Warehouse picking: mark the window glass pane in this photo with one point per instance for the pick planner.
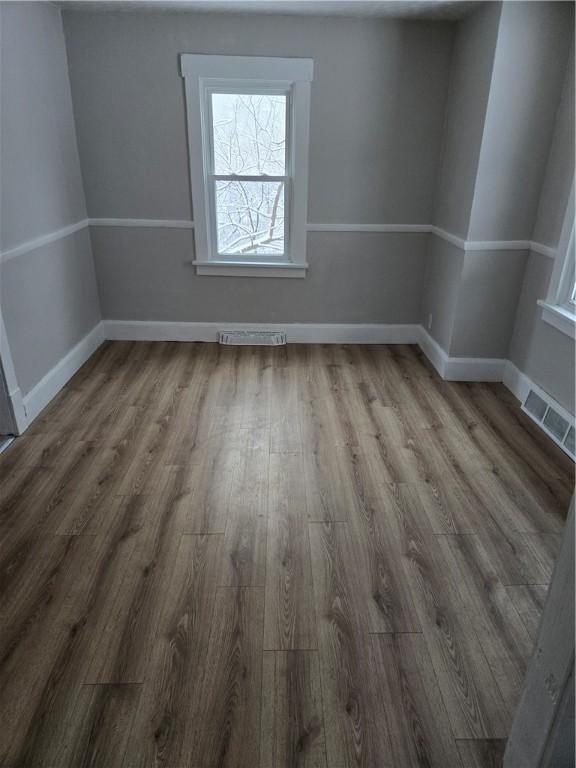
(249, 133)
(250, 217)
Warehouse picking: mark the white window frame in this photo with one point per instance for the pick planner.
(206, 74)
(559, 307)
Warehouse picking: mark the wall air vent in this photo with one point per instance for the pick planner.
(552, 418)
(252, 338)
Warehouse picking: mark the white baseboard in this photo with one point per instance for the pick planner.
(516, 381)
(49, 386)
(297, 333)
(18, 410)
(474, 369)
(433, 351)
(460, 368)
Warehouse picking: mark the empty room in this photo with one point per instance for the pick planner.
(287, 384)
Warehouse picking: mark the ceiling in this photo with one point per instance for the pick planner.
(410, 9)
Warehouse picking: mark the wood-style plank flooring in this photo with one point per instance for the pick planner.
(304, 556)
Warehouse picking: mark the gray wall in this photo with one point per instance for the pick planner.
(144, 274)
(487, 298)
(544, 353)
(529, 65)
(48, 296)
(49, 303)
(560, 166)
(41, 181)
(377, 111)
(376, 117)
(508, 163)
(442, 283)
(470, 78)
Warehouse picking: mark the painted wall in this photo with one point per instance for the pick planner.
(470, 81)
(144, 274)
(541, 351)
(48, 297)
(470, 78)
(377, 114)
(531, 55)
(488, 293)
(49, 303)
(560, 166)
(483, 304)
(444, 266)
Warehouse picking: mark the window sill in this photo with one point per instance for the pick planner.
(560, 318)
(250, 268)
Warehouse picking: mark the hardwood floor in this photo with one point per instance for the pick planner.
(303, 556)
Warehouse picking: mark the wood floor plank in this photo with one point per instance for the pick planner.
(329, 484)
(292, 731)
(285, 391)
(528, 599)
(91, 732)
(354, 737)
(373, 549)
(522, 507)
(256, 388)
(245, 535)
(290, 618)
(519, 558)
(320, 425)
(474, 703)
(482, 753)
(126, 633)
(450, 509)
(209, 482)
(409, 700)
(161, 733)
(183, 444)
(52, 638)
(500, 630)
(227, 712)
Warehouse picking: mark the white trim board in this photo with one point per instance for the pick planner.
(407, 228)
(38, 242)
(516, 381)
(296, 333)
(144, 223)
(50, 384)
(493, 245)
(465, 245)
(20, 421)
(460, 368)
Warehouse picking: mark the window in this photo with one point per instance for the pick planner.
(559, 308)
(248, 123)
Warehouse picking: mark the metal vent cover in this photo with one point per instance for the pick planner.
(551, 418)
(252, 338)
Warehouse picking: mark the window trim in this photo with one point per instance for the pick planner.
(559, 309)
(205, 74)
